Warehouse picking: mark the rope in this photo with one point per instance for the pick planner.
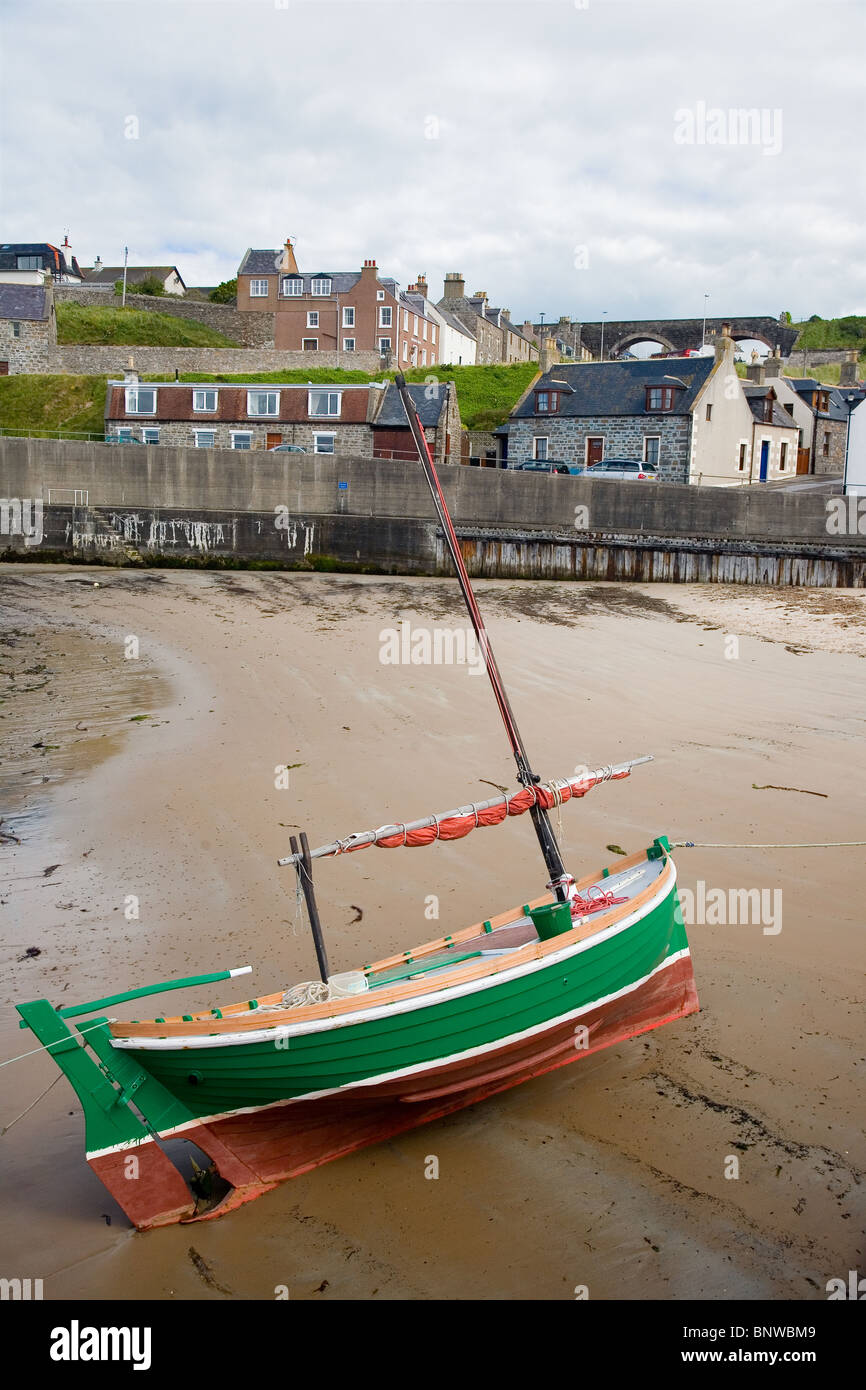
(6, 1128)
(312, 992)
(805, 844)
(46, 1047)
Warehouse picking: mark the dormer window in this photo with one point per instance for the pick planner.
(140, 400)
(768, 410)
(321, 285)
(659, 398)
(546, 402)
(823, 400)
(292, 285)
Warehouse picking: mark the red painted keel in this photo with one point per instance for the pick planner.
(255, 1152)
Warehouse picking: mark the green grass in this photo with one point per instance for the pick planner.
(486, 394)
(80, 323)
(847, 332)
(33, 403)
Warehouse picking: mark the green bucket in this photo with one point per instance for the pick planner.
(551, 920)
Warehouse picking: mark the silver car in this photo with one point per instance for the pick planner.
(627, 470)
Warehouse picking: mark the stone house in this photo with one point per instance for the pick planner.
(819, 411)
(366, 420)
(342, 311)
(497, 338)
(28, 328)
(691, 417)
(107, 275)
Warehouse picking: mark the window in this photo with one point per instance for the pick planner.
(323, 402)
(323, 443)
(310, 344)
(313, 319)
(709, 415)
(783, 456)
(204, 439)
(539, 446)
(380, 294)
(140, 400)
(744, 450)
(241, 439)
(384, 345)
(651, 448)
(659, 397)
(16, 330)
(348, 344)
(204, 400)
(349, 316)
(432, 358)
(29, 262)
(263, 402)
(546, 402)
(321, 285)
(823, 400)
(424, 329)
(150, 436)
(124, 435)
(406, 320)
(789, 407)
(768, 410)
(405, 351)
(432, 332)
(385, 316)
(423, 357)
(415, 325)
(292, 285)
(259, 289)
(826, 449)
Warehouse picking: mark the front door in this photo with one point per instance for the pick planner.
(273, 440)
(594, 450)
(765, 458)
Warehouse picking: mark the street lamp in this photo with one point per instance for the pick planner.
(125, 259)
(603, 317)
(704, 329)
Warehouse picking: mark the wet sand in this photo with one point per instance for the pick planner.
(610, 1173)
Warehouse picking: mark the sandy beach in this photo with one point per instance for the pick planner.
(144, 716)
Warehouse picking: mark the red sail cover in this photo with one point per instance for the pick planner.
(454, 828)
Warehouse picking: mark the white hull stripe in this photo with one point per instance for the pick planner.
(418, 1069)
(348, 1020)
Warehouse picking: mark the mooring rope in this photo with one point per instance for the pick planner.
(6, 1128)
(804, 844)
(46, 1047)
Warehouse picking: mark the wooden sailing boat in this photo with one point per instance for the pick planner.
(271, 1087)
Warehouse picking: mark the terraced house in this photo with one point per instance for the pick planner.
(365, 420)
(690, 416)
(337, 311)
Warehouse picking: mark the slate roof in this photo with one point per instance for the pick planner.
(109, 273)
(25, 302)
(53, 258)
(393, 416)
(454, 322)
(174, 401)
(837, 409)
(619, 388)
(756, 395)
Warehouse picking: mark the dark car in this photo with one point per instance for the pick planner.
(542, 466)
(286, 449)
(623, 469)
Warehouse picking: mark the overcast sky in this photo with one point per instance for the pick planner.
(564, 155)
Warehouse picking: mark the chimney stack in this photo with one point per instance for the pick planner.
(287, 263)
(455, 285)
(724, 344)
(848, 370)
(548, 356)
(421, 285)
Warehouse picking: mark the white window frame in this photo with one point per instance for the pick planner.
(312, 318)
(321, 286)
(205, 409)
(348, 316)
(646, 440)
(406, 320)
(263, 414)
(384, 345)
(432, 332)
(124, 433)
(432, 358)
(415, 325)
(198, 443)
(241, 434)
(146, 430)
(544, 441)
(349, 344)
(405, 351)
(132, 394)
(386, 316)
(424, 329)
(291, 286)
(328, 414)
(423, 357)
(380, 294)
(256, 291)
(317, 435)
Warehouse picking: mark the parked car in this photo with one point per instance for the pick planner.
(542, 466)
(628, 470)
(287, 449)
(121, 439)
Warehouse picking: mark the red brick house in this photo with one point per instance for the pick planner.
(336, 310)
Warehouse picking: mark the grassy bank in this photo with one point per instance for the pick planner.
(90, 324)
(72, 403)
(847, 332)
